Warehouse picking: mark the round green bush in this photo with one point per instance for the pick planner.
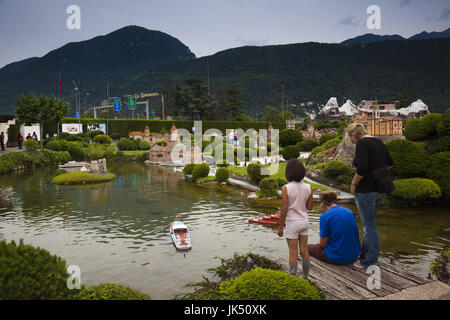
(269, 187)
(414, 191)
(73, 137)
(265, 284)
(102, 139)
(76, 152)
(410, 158)
(327, 136)
(307, 145)
(254, 172)
(144, 145)
(94, 133)
(423, 128)
(443, 127)
(289, 137)
(438, 170)
(290, 152)
(126, 144)
(162, 143)
(111, 291)
(115, 136)
(201, 170)
(29, 273)
(31, 144)
(327, 145)
(53, 145)
(188, 168)
(222, 175)
(335, 168)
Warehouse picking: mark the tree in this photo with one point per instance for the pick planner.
(43, 110)
(403, 101)
(234, 103)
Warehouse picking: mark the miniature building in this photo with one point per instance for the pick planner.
(381, 125)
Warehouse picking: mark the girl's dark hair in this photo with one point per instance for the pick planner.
(295, 170)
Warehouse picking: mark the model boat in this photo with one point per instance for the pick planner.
(273, 220)
(180, 236)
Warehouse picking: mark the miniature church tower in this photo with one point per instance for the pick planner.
(174, 134)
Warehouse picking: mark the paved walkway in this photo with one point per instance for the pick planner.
(10, 149)
(435, 290)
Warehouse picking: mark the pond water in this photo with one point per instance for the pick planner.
(119, 232)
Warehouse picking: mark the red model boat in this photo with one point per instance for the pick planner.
(273, 220)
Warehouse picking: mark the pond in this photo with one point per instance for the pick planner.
(119, 232)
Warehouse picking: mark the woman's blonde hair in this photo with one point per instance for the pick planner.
(355, 129)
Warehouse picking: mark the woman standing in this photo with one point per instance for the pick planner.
(370, 154)
(297, 198)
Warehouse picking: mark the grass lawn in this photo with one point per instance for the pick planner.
(78, 177)
(207, 179)
(279, 174)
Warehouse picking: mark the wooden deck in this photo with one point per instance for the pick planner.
(346, 282)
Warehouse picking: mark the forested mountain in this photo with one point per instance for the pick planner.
(135, 59)
(126, 52)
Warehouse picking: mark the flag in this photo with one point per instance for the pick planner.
(60, 85)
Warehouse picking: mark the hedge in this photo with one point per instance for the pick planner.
(423, 128)
(307, 145)
(265, 284)
(414, 192)
(124, 126)
(144, 145)
(410, 158)
(327, 136)
(126, 144)
(79, 177)
(327, 145)
(31, 145)
(28, 159)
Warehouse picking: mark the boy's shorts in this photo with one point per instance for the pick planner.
(295, 229)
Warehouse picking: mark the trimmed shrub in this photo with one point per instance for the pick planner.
(424, 128)
(414, 192)
(76, 153)
(188, 168)
(115, 136)
(201, 170)
(265, 284)
(73, 137)
(289, 137)
(410, 158)
(93, 134)
(438, 170)
(126, 144)
(111, 291)
(162, 143)
(29, 273)
(222, 163)
(336, 168)
(254, 172)
(443, 127)
(269, 188)
(144, 145)
(53, 145)
(290, 152)
(307, 145)
(281, 182)
(31, 145)
(327, 136)
(78, 177)
(222, 175)
(102, 139)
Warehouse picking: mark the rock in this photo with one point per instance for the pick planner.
(223, 183)
(209, 160)
(252, 196)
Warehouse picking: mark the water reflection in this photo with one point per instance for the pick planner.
(118, 232)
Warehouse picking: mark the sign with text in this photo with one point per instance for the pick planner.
(72, 128)
(131, 103)
(117, 103)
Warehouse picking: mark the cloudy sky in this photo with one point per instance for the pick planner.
(33, 27)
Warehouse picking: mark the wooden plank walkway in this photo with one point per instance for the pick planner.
(346, 282)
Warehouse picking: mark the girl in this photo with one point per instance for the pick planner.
(297, 198)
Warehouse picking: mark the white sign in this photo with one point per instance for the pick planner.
(72, 128)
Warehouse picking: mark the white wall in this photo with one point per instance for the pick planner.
(24, 130)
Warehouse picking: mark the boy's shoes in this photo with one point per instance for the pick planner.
(358, 265)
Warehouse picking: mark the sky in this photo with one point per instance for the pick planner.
(32, 28)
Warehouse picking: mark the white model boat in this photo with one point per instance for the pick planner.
(180, 236)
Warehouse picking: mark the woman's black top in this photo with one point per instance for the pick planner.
(370, 154)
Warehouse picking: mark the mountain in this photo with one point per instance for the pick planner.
(432, 35)
(369, 38)
(135, 60)
(126, 52)
(316, 71)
